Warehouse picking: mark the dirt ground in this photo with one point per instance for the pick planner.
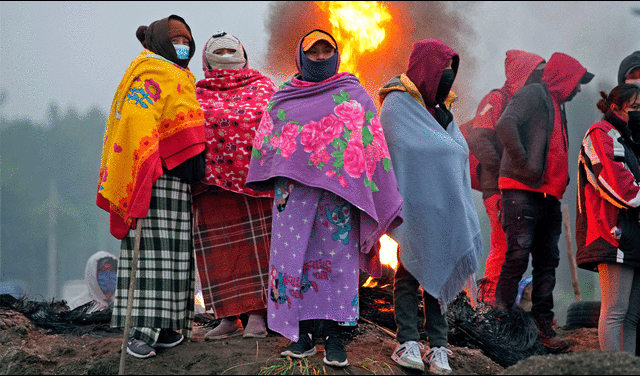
(26, 349)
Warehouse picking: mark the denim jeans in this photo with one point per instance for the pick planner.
(532, 222)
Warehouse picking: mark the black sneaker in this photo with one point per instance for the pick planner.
(140, 349)
(169, 338)
(334, 352)
(301, 349)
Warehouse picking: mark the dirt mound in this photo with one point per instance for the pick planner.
(35, 347)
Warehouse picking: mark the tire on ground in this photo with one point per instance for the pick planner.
(583, 314)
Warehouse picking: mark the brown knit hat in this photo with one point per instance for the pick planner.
(178, 29)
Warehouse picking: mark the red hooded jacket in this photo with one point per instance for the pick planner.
(607, 191)
(427, 62)
(483, 140)
(533, 131)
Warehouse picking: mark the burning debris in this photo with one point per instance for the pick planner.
(376, 42)
(56, 317)
(506, 337)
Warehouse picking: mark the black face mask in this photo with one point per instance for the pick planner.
(446, 81)
(634, 125)
(316, 71)
(535, 77)
(572, 95)
(634, 119)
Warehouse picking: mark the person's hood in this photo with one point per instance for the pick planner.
(427, 62)
(222, 39)
(518, 66)
(562, 73)
(628, 63)
(298, 54)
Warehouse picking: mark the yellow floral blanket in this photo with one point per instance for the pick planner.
(155, 121)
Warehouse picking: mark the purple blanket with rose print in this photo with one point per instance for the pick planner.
(328, 135)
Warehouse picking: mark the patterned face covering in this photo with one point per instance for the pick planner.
(106, 275)
(182, 51)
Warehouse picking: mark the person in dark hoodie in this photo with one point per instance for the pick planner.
(440, 242)
(152, 151)
(534, 174)
(607, 231)
(521, 68)
(629, 71)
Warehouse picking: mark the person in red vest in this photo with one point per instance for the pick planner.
(534, 174)
(520, 68)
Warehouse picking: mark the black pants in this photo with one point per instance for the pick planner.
(532, 222)
(406, 301)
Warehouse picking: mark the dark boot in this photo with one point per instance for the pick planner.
(548, 337)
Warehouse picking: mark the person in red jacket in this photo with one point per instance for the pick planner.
(520, 68)
(534, 174)
(607, 231)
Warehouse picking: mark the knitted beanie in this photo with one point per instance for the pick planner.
(178, 29)
(223, 40)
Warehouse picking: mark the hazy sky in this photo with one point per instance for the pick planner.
(75, 53)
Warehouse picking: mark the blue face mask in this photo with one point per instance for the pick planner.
(107, 281)
(182, 51)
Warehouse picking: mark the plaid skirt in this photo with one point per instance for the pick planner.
(232, 235)
(164, 292)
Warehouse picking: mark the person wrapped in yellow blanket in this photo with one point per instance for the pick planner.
(152, 152)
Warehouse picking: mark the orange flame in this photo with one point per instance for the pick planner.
(358, 27)
(388, 251)
(388, 256)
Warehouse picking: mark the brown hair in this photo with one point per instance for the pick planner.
(620, 95)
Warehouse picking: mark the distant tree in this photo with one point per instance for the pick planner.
(66, 153)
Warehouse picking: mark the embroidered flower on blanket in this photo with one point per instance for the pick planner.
(354, 135)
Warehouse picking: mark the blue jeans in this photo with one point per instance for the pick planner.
(532, 222)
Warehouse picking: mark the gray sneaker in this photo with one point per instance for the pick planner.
(140, 349)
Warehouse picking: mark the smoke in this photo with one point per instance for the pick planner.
(288, 21)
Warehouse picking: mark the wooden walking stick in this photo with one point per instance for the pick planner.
(132, 283)
(572, 260)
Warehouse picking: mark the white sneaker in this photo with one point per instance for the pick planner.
(439, 361)
(408, 355)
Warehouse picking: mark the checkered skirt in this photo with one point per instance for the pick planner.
(232, 235)
(165, 280)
